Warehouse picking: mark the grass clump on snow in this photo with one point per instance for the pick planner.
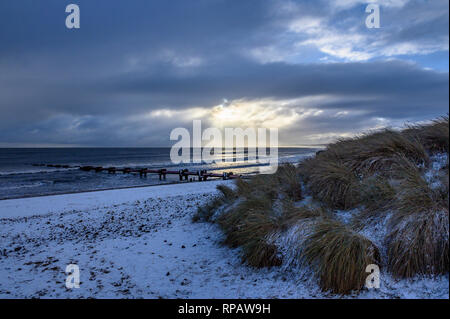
(204, 213)
(396, 179)
(339, 256)
(247, 223)
(335, 175)
(418, 239)
(285, 182)
(392, 172)
(246, 226)
(377, 194)
(434, 136)
(331, 182)
(418, 244)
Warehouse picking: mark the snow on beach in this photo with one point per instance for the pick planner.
(141, 243)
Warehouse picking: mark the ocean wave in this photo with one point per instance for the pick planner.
(239, 162)
(35, 171)
(21, 186)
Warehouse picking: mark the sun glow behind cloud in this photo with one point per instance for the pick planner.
(296, 118)
(291, 114)
(253, 113)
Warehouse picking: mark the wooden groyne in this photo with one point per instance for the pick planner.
(183, 174)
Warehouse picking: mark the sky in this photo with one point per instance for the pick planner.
(135, 70)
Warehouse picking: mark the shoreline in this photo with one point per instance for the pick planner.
(104, 189)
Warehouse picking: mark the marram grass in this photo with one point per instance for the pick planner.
(384, 174)
(418, 244)
(339, 256)
(331, 182)
(418, 238)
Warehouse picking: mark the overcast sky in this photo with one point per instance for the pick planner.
(137, 69)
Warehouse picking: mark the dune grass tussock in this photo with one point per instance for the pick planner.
(243, 188)
(339, 256)
(286, 181)
(237, 214)
(227, 192)
(227, 196)
(418, 244)
(292, 214)
(395, 182)
(400, 181)
(249, 222)
(247, 225)
(444, 180)
(250, 234)
(377, 152)
(296, 224)
(252, 224)
(378, 195)
(205, 212)
(289, 180)
(418, 240)
(331, 182)
(434, 136)
(415, 194)
(334, 176)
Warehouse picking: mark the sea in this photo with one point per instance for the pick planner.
(20, 177)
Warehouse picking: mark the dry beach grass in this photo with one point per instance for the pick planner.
(396, 176)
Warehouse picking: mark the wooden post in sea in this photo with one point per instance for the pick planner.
(162, 173)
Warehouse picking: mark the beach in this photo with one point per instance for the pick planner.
(142, 243)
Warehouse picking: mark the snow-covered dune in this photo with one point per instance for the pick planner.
(141, 243)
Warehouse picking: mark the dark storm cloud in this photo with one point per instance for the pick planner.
(88, 86)
(39, 25)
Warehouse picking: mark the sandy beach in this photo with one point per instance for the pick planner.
(141, 243)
